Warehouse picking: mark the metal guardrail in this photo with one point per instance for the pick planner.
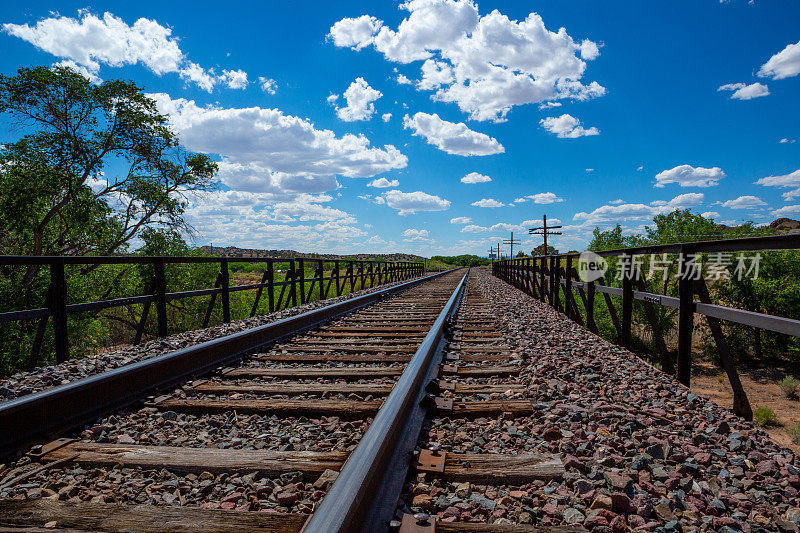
(545, 277)
(364, 496)
(296, 288)
(64, 407)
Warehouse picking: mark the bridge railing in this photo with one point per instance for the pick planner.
(554, 279)
(330, 278)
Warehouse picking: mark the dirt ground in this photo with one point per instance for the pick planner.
(762, 390)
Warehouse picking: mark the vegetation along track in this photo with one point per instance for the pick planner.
(321, 432)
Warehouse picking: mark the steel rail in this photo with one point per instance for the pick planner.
(45, 413)
(364, 496)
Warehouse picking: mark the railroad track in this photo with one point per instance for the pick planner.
(347, 426)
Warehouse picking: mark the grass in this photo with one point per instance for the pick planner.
(765, 417)
(789, 387)
(794, 432)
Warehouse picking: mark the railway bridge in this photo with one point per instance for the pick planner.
(465, 400)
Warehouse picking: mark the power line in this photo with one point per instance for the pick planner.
(512, 242)
(544, 230)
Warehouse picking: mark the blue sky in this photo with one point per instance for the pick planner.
(594, 113)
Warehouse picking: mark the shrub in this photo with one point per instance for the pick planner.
(789, 387)
(765, 416)
(794, 432)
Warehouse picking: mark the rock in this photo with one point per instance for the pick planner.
(656, 451)
(663, 512)
(326, 479)
(483, 501)
(421, 500)
(620, 503)
(125, 439)
(601, 502)
(463, 490)
(287, 499)
(573, 516)
(552, 434)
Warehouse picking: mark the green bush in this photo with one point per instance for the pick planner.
(789, 387)
(765, 417)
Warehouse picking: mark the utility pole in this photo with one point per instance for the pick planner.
(545, 231)
(491, 253)
(512, 242)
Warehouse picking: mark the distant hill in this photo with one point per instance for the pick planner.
(234, 251)
(786, 225)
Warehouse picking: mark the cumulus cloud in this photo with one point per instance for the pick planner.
(742, 91)
(460, 220)
(488, 202)
(383, 183)
(360, 97)
(786, 181)
(474, 177)
(786, 211)
(744, 202)
(453, 138)
(408, 203)
(484, 64)
(689, 176)
(540, 198)
(472, 228)
(386, 117)
(411, 235)
(268, 85)
(567, 127)
(784, 64)
(90, 41)
(264, 150)
(402, 79)
(710, 214)
(624, 212)
(786, 140)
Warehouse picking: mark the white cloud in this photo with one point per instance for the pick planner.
(408, 203)
(640, 168)
(472, 228)
(784, 64)
(460, 220)
(787, 210)
(235, 79)
(744, 202)
(360, 97)
(589, 170)
(689, 176)
(786, 181)
(474, 177)
(742, 91)
(691, 199)
(624, 212)
(710, 214)
(402, 79)
(411, 235)
(264, 150)
(453, 138)
(617, 201)
(386, 117)
(80, 69)
(383, 183)
(355, 33)
(488, 202)
(268, 85)
(785, 141)
(484, 64)
(91, 41)
(567, 127)
(540, 198)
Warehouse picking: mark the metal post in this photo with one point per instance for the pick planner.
(161, 298)
(590, 307)
(225, 282)
(301, 267)
(271, 284)
(568, 288)
(58, 306)
(627, 306)
(685, 321)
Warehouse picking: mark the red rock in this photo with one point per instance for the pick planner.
(287, 499)
(552, 434)
(621, 503)
(227, 505)
(232, 497)
(570, 461)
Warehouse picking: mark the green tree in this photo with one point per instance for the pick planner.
(93, 166)
(539, 250)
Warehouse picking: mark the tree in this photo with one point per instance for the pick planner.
(92, 167)
(539, 250)
(96, 165)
